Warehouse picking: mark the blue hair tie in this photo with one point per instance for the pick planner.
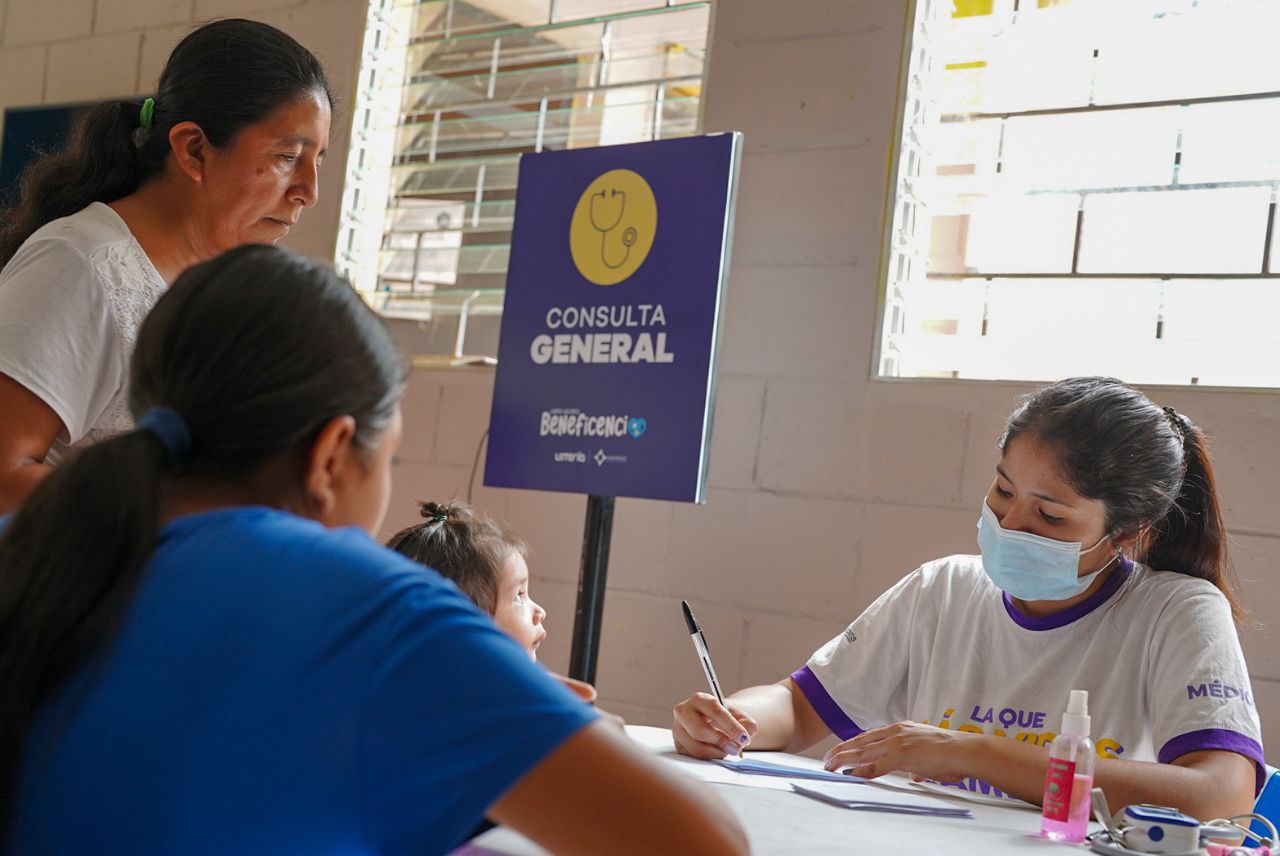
(171, 430)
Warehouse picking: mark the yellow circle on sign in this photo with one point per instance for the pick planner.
(613, 227)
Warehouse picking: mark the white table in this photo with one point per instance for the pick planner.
(778, 821)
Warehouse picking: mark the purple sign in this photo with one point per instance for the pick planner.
(606, 363)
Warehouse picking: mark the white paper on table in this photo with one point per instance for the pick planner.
(709, 772)
(875, 799)
(656, 740)
(970, 796)
(756, 766)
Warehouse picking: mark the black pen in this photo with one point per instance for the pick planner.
(700, 645)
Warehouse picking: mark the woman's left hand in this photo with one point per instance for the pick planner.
(924, 751)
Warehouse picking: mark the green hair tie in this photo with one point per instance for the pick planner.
(147, 113)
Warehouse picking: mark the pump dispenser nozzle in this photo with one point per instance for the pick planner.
(1076, 719)
(1069, 775)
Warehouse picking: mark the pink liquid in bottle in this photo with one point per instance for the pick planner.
(1076, 826)
(1068, 778)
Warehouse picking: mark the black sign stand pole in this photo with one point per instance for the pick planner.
(591, 580)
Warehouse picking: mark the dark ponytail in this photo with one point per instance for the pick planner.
(60, 598)
(256, 350)
(223, 76)
(1191, 538)
(1148, 465)
(101, 164)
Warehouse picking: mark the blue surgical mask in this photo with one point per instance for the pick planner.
(1031, 567)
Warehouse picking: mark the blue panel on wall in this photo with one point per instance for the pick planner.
(28, 130)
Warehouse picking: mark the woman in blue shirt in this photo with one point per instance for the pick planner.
(203, 651)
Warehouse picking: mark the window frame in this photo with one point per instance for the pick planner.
(884, 304)
(364, 234)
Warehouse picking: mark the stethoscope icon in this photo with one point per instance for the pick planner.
(629, 234)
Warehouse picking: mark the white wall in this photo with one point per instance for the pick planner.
(825, 486)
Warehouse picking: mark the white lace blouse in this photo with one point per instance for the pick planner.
(71, 302)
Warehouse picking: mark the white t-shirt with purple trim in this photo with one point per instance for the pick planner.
(1157, 651)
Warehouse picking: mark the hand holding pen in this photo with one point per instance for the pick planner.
(705, 726)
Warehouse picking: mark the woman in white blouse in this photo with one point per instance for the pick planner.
(225, 153)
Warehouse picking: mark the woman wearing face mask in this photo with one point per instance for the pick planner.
(1103, 567)
(225, 153)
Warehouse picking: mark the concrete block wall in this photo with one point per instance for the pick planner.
(825, 486)
(80, 50)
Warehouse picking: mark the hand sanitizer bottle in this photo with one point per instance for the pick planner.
(1070, 776)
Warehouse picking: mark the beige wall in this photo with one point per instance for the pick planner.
(825, 486)
(58, 51)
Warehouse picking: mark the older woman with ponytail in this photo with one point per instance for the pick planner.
(1103, 567)
(203, 650)
(224, 153)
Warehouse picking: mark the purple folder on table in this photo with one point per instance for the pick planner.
(768, 768)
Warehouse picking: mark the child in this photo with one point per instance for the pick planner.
(486, 560)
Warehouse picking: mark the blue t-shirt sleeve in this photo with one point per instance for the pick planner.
(455, 713)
